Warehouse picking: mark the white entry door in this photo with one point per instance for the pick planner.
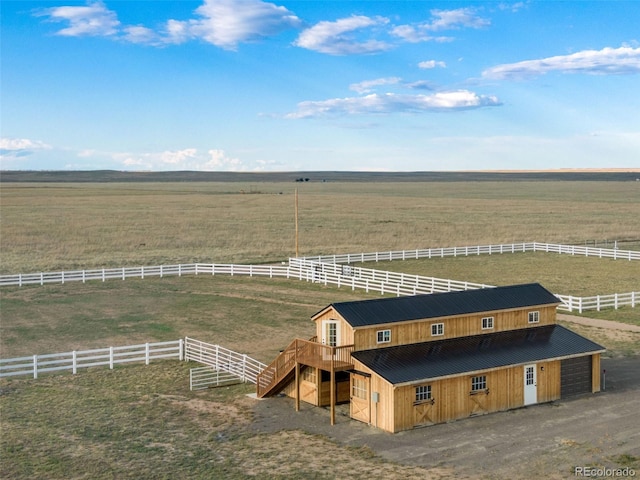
(330, 333)
(330, 336)
(530, 385)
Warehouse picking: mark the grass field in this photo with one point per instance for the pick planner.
(52, 226)
(141, 421)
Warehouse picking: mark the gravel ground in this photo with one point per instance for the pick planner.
(541, 441)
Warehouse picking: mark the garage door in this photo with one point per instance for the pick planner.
(575, 376)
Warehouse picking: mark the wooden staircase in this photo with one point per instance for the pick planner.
(306, 352)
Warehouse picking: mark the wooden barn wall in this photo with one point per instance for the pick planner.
(382, 414)
(308, 389)
(460, 326)
(452, 398)
(595, 373)
(346, 331)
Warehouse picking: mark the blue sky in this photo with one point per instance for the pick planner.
(250, 85)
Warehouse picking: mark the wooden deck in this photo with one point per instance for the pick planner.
(302, 352)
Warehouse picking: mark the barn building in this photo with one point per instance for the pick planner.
(419, 360)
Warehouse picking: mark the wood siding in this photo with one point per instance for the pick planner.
(345, 331)
(417, 331)
(452, 398)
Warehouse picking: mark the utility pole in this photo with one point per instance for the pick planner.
(296, 215)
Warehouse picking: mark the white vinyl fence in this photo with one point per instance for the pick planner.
(220, 359)
(395, 283)
(56, 362)
(337, 270)
(478, 250)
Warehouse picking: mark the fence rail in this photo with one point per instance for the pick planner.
(399, 284)
(201, 378)
(223, 359)
(338, 270)
(54, 362)
(478, 250)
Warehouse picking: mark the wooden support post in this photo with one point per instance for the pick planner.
(297, 387)
(333, 388)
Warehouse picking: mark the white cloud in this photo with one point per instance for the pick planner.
(225, 23)
(428, 64)
(441, 20)
(368, 85)
(340, 37)
(394, 103)
(94, 19)
(20, 147)
(185, 159)
(455, 19)
(608, 61)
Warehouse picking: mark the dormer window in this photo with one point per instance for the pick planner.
(437, 329)
(384, 336)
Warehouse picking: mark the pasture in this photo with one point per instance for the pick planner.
(49, 226)
(141, 421)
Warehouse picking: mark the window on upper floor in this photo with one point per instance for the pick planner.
(534, 317)
(437, 329)
(487, 323)
(384, 336)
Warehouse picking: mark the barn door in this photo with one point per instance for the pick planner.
(360, 407)
(530, 385)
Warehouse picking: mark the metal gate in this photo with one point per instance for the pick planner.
(575, 376)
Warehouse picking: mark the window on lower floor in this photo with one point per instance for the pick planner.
(423, 393)
(478, 383)
(534, 317)
(384, 336)
(437, 329)
(309, 374)
(359, 387)
(487, 323)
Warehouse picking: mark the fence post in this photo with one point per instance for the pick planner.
(83, 276)
(123, 275)
(62, 277)
(111, 358)
(35, 366)
(103, 278)
(142, 272)
(74, 367)
(615, 300)
(181, 349)
(244, 367)
(146, 353)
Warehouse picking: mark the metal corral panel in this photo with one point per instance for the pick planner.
(575, 376)
(400, 309)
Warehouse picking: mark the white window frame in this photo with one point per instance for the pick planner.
(423, 394)
(383, 336)
(478, 383)
(437, 329)
(487, 323)
(534, 317)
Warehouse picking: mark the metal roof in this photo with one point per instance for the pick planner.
(430, 360)
(399, 309)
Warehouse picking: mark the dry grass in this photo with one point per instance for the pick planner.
(142, 422)
(64, 226)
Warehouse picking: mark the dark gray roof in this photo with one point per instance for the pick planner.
(388, 310)
(428, 360)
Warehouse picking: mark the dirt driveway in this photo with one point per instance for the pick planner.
(541, 441)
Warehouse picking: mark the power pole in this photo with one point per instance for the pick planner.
(296, 215)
